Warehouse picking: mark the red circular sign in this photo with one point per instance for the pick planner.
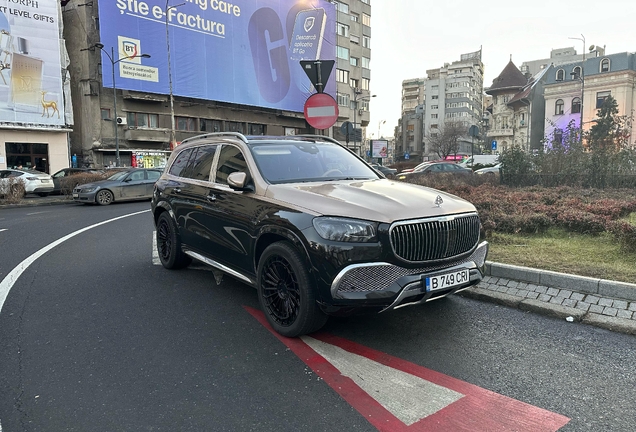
(321, 111)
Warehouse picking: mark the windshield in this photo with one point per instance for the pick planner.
(290, 162)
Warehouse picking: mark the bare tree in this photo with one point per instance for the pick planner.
(445, 140)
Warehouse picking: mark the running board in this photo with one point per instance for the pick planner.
(219, 266)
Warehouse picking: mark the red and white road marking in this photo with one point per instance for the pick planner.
(395, 395)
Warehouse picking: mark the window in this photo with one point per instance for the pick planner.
(434, 107)
(207, 125)
(365, 1)
(558, 136)
(433, 116)
(200, 163)
(434, 97)
(576, 105)
(354, 39)
(255, 129)
(354, 61)
(185, 124)
(234, 127)
(365, 83)
(435, 87)
(366, 41)
(366, 20)
(180, 163)
(105, 114)
(142, 120)
(354, 83)
(342, 52)
(355, 17)
(342, 75)
(600, 98)
(605, 65)
(558, 107)
(342, 29)
(366, 62)
(341, 7)
(576, 72)
(343, 99)
(410, 127)
(231, 160)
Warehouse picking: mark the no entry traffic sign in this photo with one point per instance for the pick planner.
(321, 111)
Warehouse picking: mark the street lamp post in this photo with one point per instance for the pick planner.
(172, 123)
(356, 93)
(113, 62)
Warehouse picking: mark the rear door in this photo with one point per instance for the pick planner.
(151, 178)
(133, 186)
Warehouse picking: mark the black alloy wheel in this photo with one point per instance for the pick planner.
(286, 293)
(169, 244)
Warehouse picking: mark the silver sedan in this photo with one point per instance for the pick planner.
(127, 185)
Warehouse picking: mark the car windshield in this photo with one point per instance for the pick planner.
(118, 175)
(290, 162)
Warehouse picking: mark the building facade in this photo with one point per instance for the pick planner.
(141, 131)
(35, 111)
(575, 91)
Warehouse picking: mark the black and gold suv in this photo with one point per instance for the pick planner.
(312, 227)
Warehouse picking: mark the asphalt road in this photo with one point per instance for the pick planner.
(95, 337)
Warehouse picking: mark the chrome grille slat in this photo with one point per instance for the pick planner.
(435, 239)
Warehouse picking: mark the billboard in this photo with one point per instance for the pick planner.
(30, 69)
(246, 52)
(379, 148)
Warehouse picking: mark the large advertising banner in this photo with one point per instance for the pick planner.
(245, 52)
(30, 70)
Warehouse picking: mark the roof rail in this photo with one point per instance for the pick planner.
(321, 137)
(217, 134)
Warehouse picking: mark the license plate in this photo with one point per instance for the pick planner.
(447, 280)
(75, 195)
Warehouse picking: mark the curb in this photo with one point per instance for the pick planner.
(578, 284)
(35, 202)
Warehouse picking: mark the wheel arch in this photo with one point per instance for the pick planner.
(273, 234)
(160, 208)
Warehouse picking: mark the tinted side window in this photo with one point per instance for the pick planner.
(180, 163)
(200, 163)
(136, 176)
(230, 160)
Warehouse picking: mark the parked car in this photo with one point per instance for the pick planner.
(435, 168)
(66, 172)
(312, 227)
(418, 167)
(388, 172)
(34, 182)
(126, 185)
(479, 160)
(489, 170)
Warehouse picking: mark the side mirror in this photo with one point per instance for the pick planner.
(237, 180)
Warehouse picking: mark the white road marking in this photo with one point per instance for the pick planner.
(3, 229)
(407, 397)
(8, 282)
(31, 214)
(155, 253)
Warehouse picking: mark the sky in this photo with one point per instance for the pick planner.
(409, 37)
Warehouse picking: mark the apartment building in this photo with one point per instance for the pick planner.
(353, 68)
(145, 79)
(453, 92)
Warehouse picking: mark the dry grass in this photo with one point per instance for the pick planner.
(584, 255)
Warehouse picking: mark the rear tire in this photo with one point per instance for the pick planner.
(285, 292)
(169, 244)
(43, 194)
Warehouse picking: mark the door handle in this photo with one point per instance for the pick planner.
(211, 197)
(177, 190)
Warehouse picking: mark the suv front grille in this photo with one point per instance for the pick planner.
(435, 239)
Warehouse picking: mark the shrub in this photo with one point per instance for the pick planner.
(12, 191)
(67, 184)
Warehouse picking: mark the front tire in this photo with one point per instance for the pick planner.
(169, 244)
(104, 197)
(43, 194)
(286, 293)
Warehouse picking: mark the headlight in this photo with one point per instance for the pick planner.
(89, 190)
(345, 230)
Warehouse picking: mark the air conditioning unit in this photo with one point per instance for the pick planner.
(122, 121)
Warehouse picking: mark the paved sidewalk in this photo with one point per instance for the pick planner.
(599, 302)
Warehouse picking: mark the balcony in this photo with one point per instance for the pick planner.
(500, 132)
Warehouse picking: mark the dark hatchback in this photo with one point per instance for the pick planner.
(313, 227)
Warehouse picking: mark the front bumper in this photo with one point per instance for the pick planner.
(86, 197)
(394, 286)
